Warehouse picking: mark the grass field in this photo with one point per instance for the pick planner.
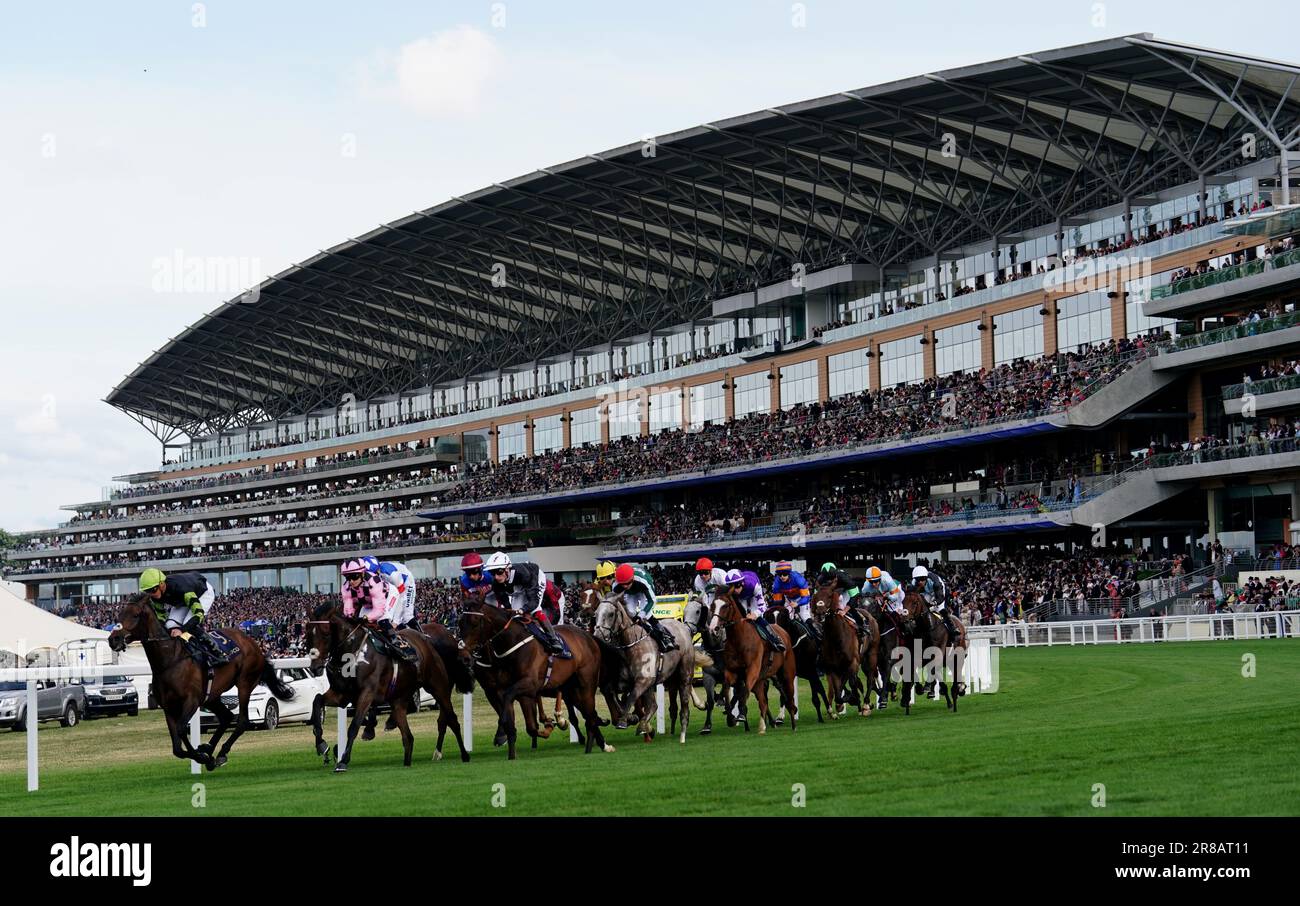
(1168, 729)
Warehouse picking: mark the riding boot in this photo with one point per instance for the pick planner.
(550, 640)
(954, 634)
(811, 625)
(662, 635)
(404, 651)
(765, 630)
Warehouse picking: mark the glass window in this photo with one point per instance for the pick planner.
(624, 417)
(548, 434)
(1018, 335)
(586, 427)
(511, 441)
(1083, 320)
(957, 349)
(1136, 321)
(708, 404)
(665, 411)
(799, 384)
(752, 394)
(850, 372)
(901, 361)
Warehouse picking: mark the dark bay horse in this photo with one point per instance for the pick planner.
(805, 659)
(178, 681)
(941, 656)
(511, 665)
(845, 653)
(361, 673)
(696, 618)
(747, 661)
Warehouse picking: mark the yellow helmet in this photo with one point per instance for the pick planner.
(605, 570)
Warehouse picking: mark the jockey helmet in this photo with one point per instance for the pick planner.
(829, 568)
(704, 565)
(782, 567)
(471, 561)
(624, 574)
(371, 563)
(498, 560)
(604, 570)
(920, 572)
(353, 567)
(734, 577)
(151, 578)
(873, 574)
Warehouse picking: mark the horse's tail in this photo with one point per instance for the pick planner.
(278, 687)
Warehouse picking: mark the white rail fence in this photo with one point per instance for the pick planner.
(1185, 628)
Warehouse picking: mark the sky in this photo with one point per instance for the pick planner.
(259, 133)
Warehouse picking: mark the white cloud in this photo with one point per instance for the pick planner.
(446, 74)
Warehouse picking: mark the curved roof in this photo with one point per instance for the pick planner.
(643, 236)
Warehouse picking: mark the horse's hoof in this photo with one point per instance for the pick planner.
(340, 768)
(437, 755)
(706, 731)
(368, 733)
(608, 747)
(499, 740)
(322, 748)
(563, 724)
(620, 724)
(778, 722)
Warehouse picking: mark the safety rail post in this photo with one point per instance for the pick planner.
(467, 706)
(33, 719)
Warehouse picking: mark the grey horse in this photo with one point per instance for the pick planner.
(646, 666)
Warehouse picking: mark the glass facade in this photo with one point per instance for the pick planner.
(511, 441)
(624, 418)
(665, 410)
(957, 348)
(752, 394)
(1083, 321)
(585, 428)
(902, 361)
(708, 404)
(799, 384)
(849, 372)
(1019, 335)
(548, 434)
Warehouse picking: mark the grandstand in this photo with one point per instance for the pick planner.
(1035, 312)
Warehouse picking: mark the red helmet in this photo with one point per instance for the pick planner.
(704, 564)
(624, 574)
(471, 561)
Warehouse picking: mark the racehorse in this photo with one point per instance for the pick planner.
(748, 660)
(511, 665)
(444, 642)
(696, 619)
(363, 671)
(611, 672)
(182, 686)
(951, 657)
(805, 659)
(646, 666)
(845, 653)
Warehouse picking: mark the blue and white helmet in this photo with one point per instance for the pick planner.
(371, 563)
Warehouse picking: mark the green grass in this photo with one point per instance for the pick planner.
(1169, 729)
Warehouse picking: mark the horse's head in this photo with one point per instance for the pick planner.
(725, 611)
(135, 622)
(320, 635)
(589, 596)
(826, 600)
(915, 604)
(696, 616)
(475, 626)
(610, 618)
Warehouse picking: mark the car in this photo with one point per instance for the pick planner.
(267, 711)
(111, 694)
(64, 702)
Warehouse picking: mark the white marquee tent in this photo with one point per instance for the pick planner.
(24, 626)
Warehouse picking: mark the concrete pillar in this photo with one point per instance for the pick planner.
(875, 367)
(1284, 172)
(1050, 340)
(1201, 197)
(927, 352)
(1118, 319)
(1195, 405)
(986, 342)
(774, 397)
(729, 395)
(494, 435)
(824, 378)
(528, 436)
(566, 429)
(1212, 513)
(685, 414)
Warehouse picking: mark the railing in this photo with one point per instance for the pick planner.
(1234, 332)
(1259, 447)
(1259, 388)
(1227, 274)
(1187, 628)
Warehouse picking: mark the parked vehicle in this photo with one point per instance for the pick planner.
(113, 694)
(64, 702)
(265, 710)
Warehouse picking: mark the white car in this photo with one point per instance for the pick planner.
(265, 710)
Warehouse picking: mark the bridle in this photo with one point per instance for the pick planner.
(606, 633)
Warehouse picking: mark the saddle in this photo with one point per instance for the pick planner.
(405, 652)
(537, 633)
(227, 647)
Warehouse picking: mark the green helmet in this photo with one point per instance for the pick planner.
(151, 578)
(829, 568)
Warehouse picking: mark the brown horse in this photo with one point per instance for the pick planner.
(590, 595)
(178, 681)
(805, 659)
(845, 653)
(940, 654)
(362, 673)
(747, 661)
(512, 666)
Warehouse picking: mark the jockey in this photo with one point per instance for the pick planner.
(790, 589)
(522, 588)
(746, 588)
(399, 578)
(180, 603)
(881, 584)
(838, 579)
(639, 598)
(369, 597)
(708, 579)
(936, 592)
(605, 578)
(472, 577)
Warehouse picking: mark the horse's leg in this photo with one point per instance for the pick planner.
(506, 726)
(584, 695)
(242, 723)
(710, 698)
(180, 743)
(789, 676)
(561, 718)
(530, 708)
(399, 717)
(447, 717)
(363, 701)
(764, 712)
(225, 717)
